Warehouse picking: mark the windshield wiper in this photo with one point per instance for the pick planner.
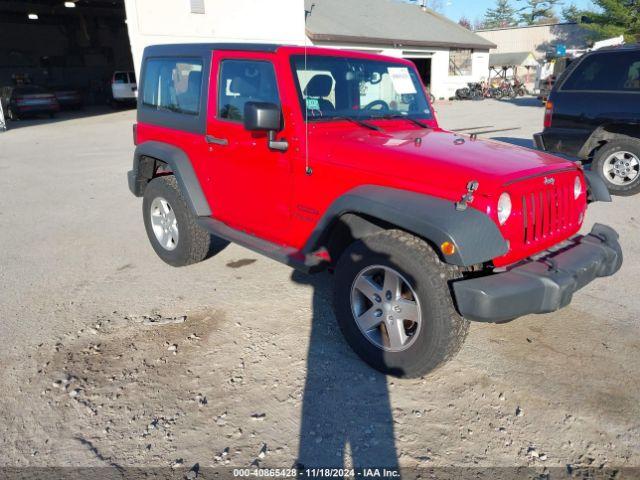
(412, 120)
(350, 119)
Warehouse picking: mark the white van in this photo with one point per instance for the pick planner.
(124, 89)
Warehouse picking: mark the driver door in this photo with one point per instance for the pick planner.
(250, 184)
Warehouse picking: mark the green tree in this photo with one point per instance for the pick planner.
(537, 11)
(503, 15)
(614, 18)
(570, 13)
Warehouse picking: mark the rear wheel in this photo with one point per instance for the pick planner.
(618, 164)
(394, 307)
(171, 227)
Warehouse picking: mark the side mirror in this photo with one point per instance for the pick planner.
(265, 117)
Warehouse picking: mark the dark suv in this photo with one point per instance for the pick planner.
(593, 113)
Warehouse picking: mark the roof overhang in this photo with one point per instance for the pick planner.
(363, 40)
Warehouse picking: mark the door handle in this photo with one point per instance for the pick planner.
(216, 140)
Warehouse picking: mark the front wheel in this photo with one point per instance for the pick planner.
(394, 307)
(618, 164)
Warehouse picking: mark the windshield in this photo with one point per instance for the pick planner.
(333, 87)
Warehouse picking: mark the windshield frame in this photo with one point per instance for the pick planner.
(361, 114)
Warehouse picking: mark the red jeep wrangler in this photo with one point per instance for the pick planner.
(326, 159)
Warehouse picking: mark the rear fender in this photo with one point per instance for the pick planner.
(605, 134)
(179, 163)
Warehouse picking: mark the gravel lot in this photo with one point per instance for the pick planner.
(100, 367)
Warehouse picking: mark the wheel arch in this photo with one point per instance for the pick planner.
(606, 134)
(369, 209)
(148, 158)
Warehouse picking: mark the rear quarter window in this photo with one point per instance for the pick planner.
(606, 72)
(173, 85)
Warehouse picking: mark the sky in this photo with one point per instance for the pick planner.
(473, 9)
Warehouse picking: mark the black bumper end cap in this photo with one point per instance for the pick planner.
(135, 186)
(538, 141)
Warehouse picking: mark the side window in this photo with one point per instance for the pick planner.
(611, 71)
(318, 89)
(243, 81)
(173, 84)
(633, 79)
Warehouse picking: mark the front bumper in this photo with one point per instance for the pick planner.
(543, 285)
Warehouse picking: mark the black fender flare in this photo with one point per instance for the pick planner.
(181, 167)
(476, 237)
(597, 190)
(607, 133)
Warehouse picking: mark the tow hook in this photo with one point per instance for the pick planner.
(467, 198)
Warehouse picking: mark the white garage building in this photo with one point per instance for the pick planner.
(447, 55)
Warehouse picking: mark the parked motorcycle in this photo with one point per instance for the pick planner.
(474, 91)
(513, 90)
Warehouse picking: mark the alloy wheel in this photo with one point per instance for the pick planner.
(621, 168)
(164, 223)
(386, 308)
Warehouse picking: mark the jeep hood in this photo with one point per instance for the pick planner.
(437, 156)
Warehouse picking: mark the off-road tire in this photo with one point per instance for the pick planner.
(442, 331)
(630, 145)
(194, 242)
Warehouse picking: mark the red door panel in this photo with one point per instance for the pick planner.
(247, 184)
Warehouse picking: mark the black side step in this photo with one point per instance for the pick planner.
(287, 255)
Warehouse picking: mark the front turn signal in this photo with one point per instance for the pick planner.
(448, 248)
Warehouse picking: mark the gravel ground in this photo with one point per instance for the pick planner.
(110, 357)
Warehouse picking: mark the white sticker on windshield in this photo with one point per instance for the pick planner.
(401, 79)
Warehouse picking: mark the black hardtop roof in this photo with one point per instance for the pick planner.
(203, 48)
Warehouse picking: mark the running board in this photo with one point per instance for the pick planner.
(287, 255)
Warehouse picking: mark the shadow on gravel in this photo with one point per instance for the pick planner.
(524, 102)
(62, 116)
(521, 142)
(346, 411)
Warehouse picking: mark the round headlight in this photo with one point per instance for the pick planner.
(577, 188)
(504, 207)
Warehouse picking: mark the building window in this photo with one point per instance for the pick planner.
(197, 6)
(460, 61)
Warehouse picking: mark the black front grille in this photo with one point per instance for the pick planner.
(546, 213)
